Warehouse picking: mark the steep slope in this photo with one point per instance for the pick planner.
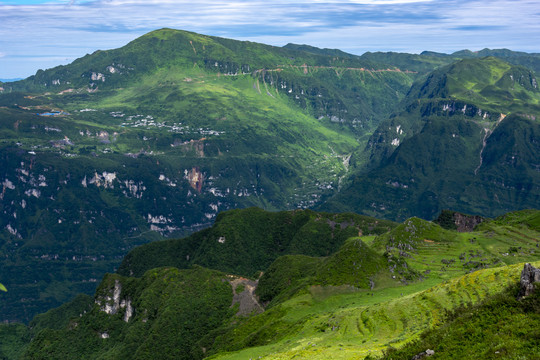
(465, 140)
(353, 267)
(280, 68)
(152, 140)
(319, 307)
(245, 241)
(139, 318)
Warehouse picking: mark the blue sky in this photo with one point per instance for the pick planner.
(39, 34)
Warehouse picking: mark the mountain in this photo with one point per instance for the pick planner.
(374, 293)
(245, 242)
(465, 139)
(428, 61)
(531, 61)
(153, 140)
(422, 63)
(317, 51)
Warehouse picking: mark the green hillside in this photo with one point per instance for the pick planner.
(499, 327)
(153, 140)
(464, 140)
(243, 242)
(427, 61)
(373, 294)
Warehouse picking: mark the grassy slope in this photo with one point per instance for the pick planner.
(314, 311)
(351, 324)
(500, 327)
(427, 61)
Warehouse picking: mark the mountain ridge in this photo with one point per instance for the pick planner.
(453, 123)
(155, 139)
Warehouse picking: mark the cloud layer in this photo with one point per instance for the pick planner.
(41, 34)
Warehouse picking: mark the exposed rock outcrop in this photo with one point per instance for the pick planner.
(244, 295)
(453, 220)
(423, 354)
(529, 276)
(195, 178)
(111, 302)
(466, 223)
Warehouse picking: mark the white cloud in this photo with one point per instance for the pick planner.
(69, 29)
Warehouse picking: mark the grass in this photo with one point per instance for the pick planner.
(346, 323)
(499, 327)
(317, 307)
(349, 326)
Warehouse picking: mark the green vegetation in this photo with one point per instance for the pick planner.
(246, 241)
(15, 339)
(174, 310)
(396, 293)
(156, 140)
(153, 140)
(500, 327)
(461, 130)
(428, 61)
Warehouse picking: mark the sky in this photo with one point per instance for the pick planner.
(40, 34)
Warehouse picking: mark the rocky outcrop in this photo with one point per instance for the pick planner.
(529, 276)
(466, 223)
(244, 296)
(423, 354)
(195, 178)
(111, 302)
(453, 220)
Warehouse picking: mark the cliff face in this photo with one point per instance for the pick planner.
(453, 220)
(112, 304)
(466, 223)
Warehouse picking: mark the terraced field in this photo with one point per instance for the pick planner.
(352, 326)
(374, 293)
(457, 269)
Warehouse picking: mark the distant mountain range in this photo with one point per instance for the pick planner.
(153, 140)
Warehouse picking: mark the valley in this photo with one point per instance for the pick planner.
(142, 148)
(228, 199)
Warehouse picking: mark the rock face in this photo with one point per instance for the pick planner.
(453, 220)
(466, 223)
(245, 297)
(529, 276)
(111, 303)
